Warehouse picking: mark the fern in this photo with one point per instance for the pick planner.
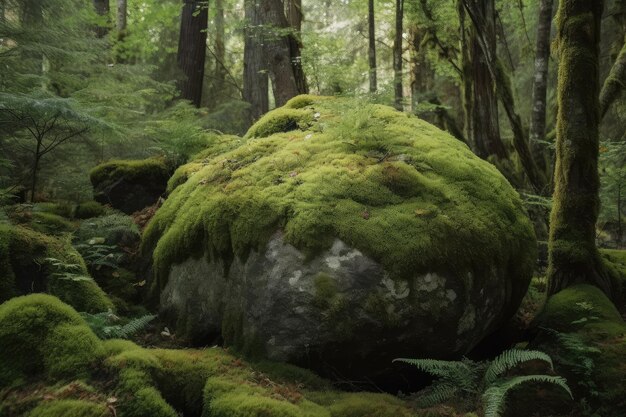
(495, 396)
(435, 367)
(481, 381)
(102, 326)
(510, 359)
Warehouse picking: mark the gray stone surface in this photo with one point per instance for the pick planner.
(339, 310)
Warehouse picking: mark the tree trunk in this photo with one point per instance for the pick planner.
(122, 13)
(192, 49)
(102, 9)
(483, 116)
(537, 131)
(505, 94)
(37, 158)
(467, 87)
(397, 56)
(220, 50)
(371, 52)
(255, 78)
(573, 256)
(278, 51)
(420, 69)
(32, 17)
(294, 19)
(614, 83)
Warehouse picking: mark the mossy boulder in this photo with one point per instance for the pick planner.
(129, 185)
(342, 233)
(32, 262)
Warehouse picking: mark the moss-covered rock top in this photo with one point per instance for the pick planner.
(140, 170)
(389, 184)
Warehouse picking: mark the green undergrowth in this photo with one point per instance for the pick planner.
(615, 262)
(49, 346)
(395, 187)
(34, 262)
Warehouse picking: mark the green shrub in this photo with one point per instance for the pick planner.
(111, 229)
(62, 209)
(90, 209)
(70, 408)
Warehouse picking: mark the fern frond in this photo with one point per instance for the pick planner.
(436, 394)
(510, 359)
(134, 326)
(495, 396)
(435, 367)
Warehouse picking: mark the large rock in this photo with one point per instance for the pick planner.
(131, 185)
(340, 235)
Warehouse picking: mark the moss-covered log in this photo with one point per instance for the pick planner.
(573, 256)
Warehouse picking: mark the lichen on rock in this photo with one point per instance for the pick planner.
(405, 198)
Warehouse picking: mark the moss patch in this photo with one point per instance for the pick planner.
(41, 335)
(25, 269)
(141, 170)
(395, 187)
(90, 209)
(73, 408)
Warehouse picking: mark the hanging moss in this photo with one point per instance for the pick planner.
(395, 187)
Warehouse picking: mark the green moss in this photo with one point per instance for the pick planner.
(26, 270)
(50, 223)
(366, 404)
(70, 350)
(565, 310)
(70, 408)
(280, 120)
(393, 186)
(143, 170)
(40, 334)
(303, 100)
(90, 209)
(62, 209)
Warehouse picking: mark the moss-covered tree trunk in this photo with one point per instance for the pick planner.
(573, 256)
(614, 83)
(102, 9)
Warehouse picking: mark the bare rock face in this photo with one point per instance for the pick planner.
(339, 235)
(339, 310)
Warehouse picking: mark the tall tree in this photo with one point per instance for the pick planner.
(122, 17)
(573, 256)
(482, 126)
(397, 56)
(220, 49)
(540, 80)
(192, 49)
(293, 12)
(102, 9)
(255, 77)
(287, 81)
(371, 52)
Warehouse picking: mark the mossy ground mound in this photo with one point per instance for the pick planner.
(129, 185)
(39, 333)
(586, 336)
(27, 264)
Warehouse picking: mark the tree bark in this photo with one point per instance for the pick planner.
(397, 56)
(255, 77)
(484, 130)
(371, 52)
(573, 256)
(537, 131)
(102, 9)
(614, 83)
(420, 69)
(278, 49)
(220, 50)
(122, 13)
(192, 49)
